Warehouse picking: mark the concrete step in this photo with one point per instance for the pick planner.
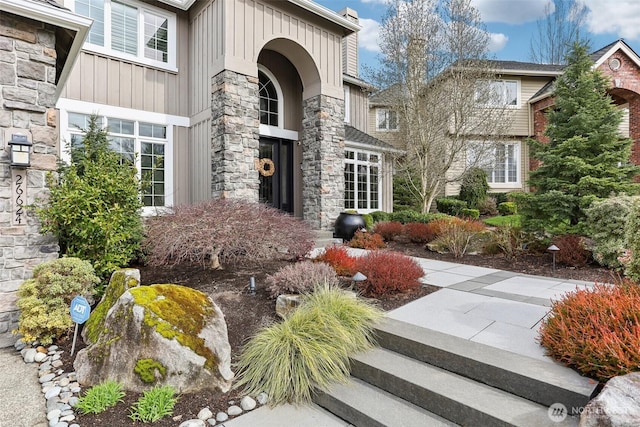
(324, 238)
(364, 405)
(543, 382)
(449, 395)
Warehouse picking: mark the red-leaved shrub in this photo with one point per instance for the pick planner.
(365, 240)
(300, 277)
(596, 331)
(338, 257)
(388, 273)
(419, 232)
(225, 231)
(389, 230)
(573, 251)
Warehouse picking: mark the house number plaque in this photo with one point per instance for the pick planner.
(18, 197)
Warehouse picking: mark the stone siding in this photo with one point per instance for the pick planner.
(323, 161)
(234, 136)
(27, 87)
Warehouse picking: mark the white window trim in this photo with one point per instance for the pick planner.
(66, 105)
(379, 129)
(276, 84)
(518, 94)
(356, 162)
(518, 155)
(170, 65)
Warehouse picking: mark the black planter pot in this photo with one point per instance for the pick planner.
(347, 224)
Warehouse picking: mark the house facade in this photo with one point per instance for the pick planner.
(527, 90)
(258, 100)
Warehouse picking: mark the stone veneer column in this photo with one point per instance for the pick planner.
(234, 136)
(27, 86)
(323, 161)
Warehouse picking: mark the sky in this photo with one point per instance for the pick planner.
(510, 23)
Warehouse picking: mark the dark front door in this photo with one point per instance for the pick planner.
(276, 173)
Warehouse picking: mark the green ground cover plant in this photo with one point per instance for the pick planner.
(100, 397)
(154, 404)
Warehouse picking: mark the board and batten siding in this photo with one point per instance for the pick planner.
(229, 34)
(358, 107)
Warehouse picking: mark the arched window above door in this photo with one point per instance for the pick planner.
(269, 100)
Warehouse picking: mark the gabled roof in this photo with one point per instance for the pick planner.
(352, 134)
(526, 68)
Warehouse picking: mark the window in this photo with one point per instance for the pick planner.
(386, 120)
(497, 93)
(133, 31)
(128, 138)
(268, 100)
(361, 180)
(501, 162)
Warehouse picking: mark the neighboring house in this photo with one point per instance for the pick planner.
(258, 100)
(527, 89)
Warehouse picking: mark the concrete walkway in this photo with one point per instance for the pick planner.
(493, 307)
(22, 403)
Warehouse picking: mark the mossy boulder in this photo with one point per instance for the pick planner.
(157, 335)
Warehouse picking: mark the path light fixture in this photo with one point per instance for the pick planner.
(20, 149)
(252, 285)
(357, 278)
(553, 249)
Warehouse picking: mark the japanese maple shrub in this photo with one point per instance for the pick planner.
(223, 231)
(388, 273)
(596, 331)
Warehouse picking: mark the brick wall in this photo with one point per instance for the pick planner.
(27, 87)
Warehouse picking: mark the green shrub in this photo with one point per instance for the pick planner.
(470, 213)
(378, 216)
(595, 330)
(632, 243)
(605, 223)
(299, 278)
(450, 205)
(100, 397)
(404, 217)
(368, 221)
(499, 197)
(44, 299)
(94, 206)
(507, 208)
(309, 349)
(154, 404)
(474, 187)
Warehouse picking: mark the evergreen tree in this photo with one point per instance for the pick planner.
(585, 157)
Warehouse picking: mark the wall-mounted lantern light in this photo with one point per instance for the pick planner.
(20, 147)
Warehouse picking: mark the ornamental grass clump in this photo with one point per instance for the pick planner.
(100, 397)
(309, 349)
(299, 278)
(596, 331)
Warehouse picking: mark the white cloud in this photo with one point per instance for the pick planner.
(497, 41)
(368, 35)
(619, 17)
(512, 11)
